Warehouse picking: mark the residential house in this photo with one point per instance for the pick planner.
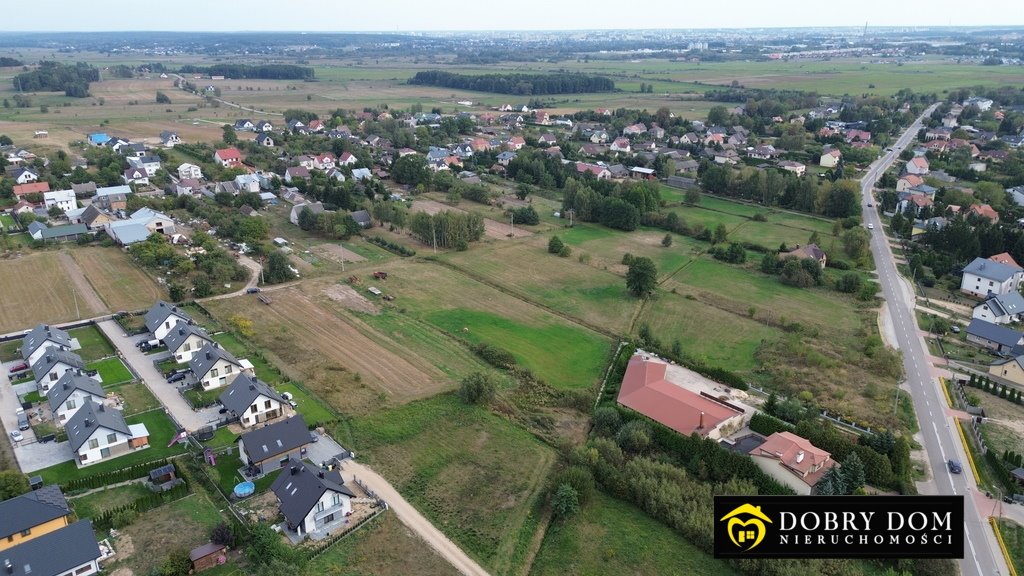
(244, 125)
(857, 136)
(247, 183)
(634, 129)
(1001, 308)
(794, 167)
(169, 139)
(983, 277)
(97, 433)
(516, 143)
(347, 159)
(763, 152)
(830, 158)
(621, 145)
(547, 139)
(592, 149)
(312, 500)
(360, 174)
(252, 401)
(811, 251)
(994, 337)
(264, 126)
(134, 150)
(264, 139)
(642, 173)
(1011, 369)
(70, 393)
(63, 199)
(296, 126)
(185, 339)
(135, 176)
(72, 549)
(541, 117)
(983, 104)
(618, 171)
(31, 188)
(24, 175)
(188, 187)
(98, 138)
(314, 207)
(68, 233)
(505, 157)
(187, 170)
(32, 515)
(726, 157)
(362, 217)
(908, 181)
(793, 461)
(656, 132)
(646, 389)
(325, 161)
(598, 171)
(41, 338)
(293, 173)
(917, 165)
(984, 211)
(213, 365)
(228, 157)
(943, 133)
(271, 447)
(139, 226)
(162, 317)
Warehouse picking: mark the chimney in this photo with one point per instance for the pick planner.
(701, 425)
(295, 470)
(799, 456)
(320, 474)
(87, 423)
(8, 566)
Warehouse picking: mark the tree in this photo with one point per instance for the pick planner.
(667, 240)
(411, 169)
(853, 473)
(307, 219)
(850, 283)
(12, 483)
(201, 285)
(692, 196)
(176, 292)
(634, 436)
(607, 421)
(523, 190)
(277, 269)
(555, 245)
(162, 98)
(230, 137)
(720, 234)
(565, 501)
(581, 480)
(177, 563)
(771, 404)
(223, 534)
(477, 388)
(718, 115)
(856, 242)
(642, 276)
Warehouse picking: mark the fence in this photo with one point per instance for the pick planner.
(321, 547)
(113, 477)
(608, 372)
(841, 422)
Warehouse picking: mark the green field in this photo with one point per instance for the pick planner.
(609, 536)
(112, 371)
(92, 504)
(472, 473)
(382, 546)
(94, 344)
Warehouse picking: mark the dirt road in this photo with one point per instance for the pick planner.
(414, 520)
(90, 299)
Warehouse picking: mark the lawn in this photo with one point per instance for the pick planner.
(313, 409)
(161, 430)
(609, 536)
(94, 344)
(1013, 537)
(10, 350)
(112, 371)
(136, 396)
(475, 475)
(222, 438)
(90, 505)
(382, 546)
(200, 398)
(225, 474)
(182, 524)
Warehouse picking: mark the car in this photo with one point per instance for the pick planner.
(22, 420)
(176, 377)
(177, 371)
(286, 395)
(870, 205)
(955, 467)
(252, 290)
(955, 329)
(871, 226)
(19, 367)
(16, 436)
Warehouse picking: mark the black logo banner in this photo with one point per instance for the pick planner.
(839, 526)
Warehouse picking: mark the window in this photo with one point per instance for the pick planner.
(94, 443)
(26, 532)
(223, 380)
(53, 376)
(83, 570)
(227, 369)
(111, 438)
(214, 372)
(10, 538)
(320, 506)
(71, 403)
(187, 347)
(104, 452)
(253, 409)
(336, 499)
(267, 404)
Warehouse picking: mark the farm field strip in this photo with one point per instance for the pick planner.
(36, 288)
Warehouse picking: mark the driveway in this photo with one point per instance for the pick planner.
(9, 406)
(38, 455)
(323, 449)
(167, 394)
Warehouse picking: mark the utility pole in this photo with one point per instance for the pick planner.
(433, 233)
(512, 225)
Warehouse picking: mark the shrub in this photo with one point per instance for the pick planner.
(635, 436)
(391, 246)
(581, 480)
(565, 252)
(607, 421)
(495, 356)
(555, 245)
(223, 534)
(565, 502)
(477, 388)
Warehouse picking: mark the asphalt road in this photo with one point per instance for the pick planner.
(938, 434)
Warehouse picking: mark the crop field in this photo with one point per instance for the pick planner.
(472, 473)
(36, 288)
(116, 279)
(609, 536)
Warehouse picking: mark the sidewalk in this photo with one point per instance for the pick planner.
(166, 393)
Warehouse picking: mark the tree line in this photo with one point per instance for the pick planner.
(520, 84)
(251, 72)
(72, 79)
(447, 229)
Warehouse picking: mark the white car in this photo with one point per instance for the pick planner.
(16, 436)
(871, 226)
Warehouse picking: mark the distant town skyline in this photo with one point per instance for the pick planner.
(541, 15)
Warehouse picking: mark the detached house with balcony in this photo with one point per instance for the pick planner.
(186, 339)
(97, 433)
(271, 447)
(253, 401)
(70, 393)
(32, 515)
(792, 460)
(213, 366)
(312, 500)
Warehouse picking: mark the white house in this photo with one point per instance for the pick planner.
(314, 207)
(1001, 308)
(24, 176)
(162, 317)
(830, 158)
(97, 433)
(213, 366)
(148, 163)
(135, 176)
(63, 199)
(312, 500)
(187, 170)
(253, 401)
(185, 339)
(71, 393)
(794, 167)
(52, 365)
(41, 338)
(264, 139)
(228, 157)
(621, 145)
(269, 447)
(169, 139)
(347, 159)
(917, 165)
(983, 277)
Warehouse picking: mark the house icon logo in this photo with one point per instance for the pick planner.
(746, 526)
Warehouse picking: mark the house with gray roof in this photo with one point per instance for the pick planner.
(32, 515)
(185, 339)
(312, 500)
(97, 433)
(983, 277)
(53, 364)
(35, 343)
(69, 550)
(213, 366)
(1001, 308)
(314, 207)
(362, 217)
(999, 339)
(268, 448)
(162, 317)
(253, 401)
(70, 393)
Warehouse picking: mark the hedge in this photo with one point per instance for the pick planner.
(106, 519)
(113, 477)
(391, 246)
(766, 424)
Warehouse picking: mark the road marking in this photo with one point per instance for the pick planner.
(974, 555)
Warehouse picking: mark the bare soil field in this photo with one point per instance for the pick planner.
(337, 253)
(349, 298)
(492, 228)
(120, 283)
(36, 288)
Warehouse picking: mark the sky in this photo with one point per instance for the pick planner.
(442, 15)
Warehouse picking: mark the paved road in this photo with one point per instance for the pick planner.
(940, 438)
(166, 393)
(414, 520)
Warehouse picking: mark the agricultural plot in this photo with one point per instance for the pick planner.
(119, 283)
(37, 288)
(472, 473)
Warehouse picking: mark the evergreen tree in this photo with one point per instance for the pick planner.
(853, 473)
(771, 404)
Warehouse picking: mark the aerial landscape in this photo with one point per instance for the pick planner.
(388, 293)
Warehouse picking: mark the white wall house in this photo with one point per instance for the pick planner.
(983, 277)
(190, 171)
(43, 336)
(97, 433)
(214, 366)
(63, 199)
(312, 500)
(184, 340)
(71, 393)
(162, 317)
(1001, 309)
(52, 365)
(253, 401)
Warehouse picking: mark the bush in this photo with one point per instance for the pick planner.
(555, 245)
(838, 264)
(635, 436)
(766, 425)
(495, 356)
(565, 502)
(565, 252)
(607, 421)
(391, 246)
(850, 283)
(477, 388)
(223, 534)
(581, 480)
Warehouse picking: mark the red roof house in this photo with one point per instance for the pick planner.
(31, 188)
(228, 157)
(793, 460)
(985, 211)
(1005, 258)
(646, 390)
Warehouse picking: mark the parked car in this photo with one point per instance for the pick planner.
(20, 367)
(177, 377)
(253, 290)
(871, 226)
(22, 420)
(955, 329)
(16, 436)
(173, 372)
(955, 467)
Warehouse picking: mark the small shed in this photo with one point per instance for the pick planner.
(1017, 475)
(207, 556)
(162, 474)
